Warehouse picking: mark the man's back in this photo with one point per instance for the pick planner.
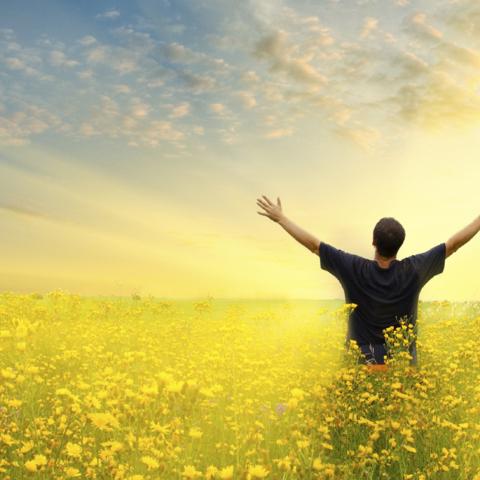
(382, 295)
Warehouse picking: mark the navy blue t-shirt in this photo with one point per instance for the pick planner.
(382, 295)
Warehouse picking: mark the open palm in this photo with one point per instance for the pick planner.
(272, 211)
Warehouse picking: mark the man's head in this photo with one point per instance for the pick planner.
(388, 236)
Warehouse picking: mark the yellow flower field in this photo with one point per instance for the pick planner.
(140, 388)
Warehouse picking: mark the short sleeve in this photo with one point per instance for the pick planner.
(334, 260)
(429, 263)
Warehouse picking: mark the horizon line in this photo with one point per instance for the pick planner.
(208, 297)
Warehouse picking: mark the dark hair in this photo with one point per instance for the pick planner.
(388, 236)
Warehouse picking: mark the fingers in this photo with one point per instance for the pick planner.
(279, 203)
(268, 200)
(262, 204)
(261, 213)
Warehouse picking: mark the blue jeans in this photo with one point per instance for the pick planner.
(374, 353)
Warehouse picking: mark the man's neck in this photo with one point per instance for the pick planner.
(384, 262)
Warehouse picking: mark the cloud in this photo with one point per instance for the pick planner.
(85, 74)
(124, 64)
(279, 133)
(175, 52)
(14, 63)
(217, 108)
(122, 88)
(342, 115)
(23, 211)
(17, 127)
(248, 99)
(87, 40)
(97, 54)
(464, 56)
(120, 59)
(159, 130)
(365, 137)
(422, 28)
(274, 48)
(139, 108)
(250, 77)
(7, 33)
(181, 110)
(59, 59)
(410, 64)
(108, 14)
(369, 25)
(197, 82)
(464, 17)
(438, 103)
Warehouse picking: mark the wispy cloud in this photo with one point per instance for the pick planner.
(23, 211)
(284, 59)
(108, 14)
(279, 133)
(370, 24)
(181, 110)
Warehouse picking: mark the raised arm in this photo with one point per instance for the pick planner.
(275, 213)
(462, 237)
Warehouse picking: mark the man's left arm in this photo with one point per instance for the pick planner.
(275, 213)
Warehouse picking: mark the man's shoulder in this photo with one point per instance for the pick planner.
(341, 251)
(438, 251)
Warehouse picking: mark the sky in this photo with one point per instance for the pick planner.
(136, 136)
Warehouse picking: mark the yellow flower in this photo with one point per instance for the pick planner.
(8, 373)
(303, 443)
(298, 393)
(34, 464)
(104, 421)
(27, 446)
(408, 448)
(175, 387)
(113, 446)
(73, 450)
(317, 464)
(257, 471)
(150, 462)
(211, 472)
(31, 466)
(7, 439)
(195, 432)
(226, 473)
(72, 472)
(15, 402)
(189, 471)
(395, 425)
(151, 389)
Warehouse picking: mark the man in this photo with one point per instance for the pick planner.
(384, 289)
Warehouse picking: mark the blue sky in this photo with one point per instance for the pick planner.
(216, 68)
(156, 124)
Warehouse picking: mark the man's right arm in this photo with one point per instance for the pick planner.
(462, 237)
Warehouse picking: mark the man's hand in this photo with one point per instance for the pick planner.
(274, 212)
